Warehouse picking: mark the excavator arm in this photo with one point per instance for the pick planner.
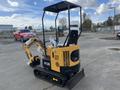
(33, 60)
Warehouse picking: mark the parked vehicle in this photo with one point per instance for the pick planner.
(118, 35)
(23, 35)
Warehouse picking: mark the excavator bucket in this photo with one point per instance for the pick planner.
(75, 80)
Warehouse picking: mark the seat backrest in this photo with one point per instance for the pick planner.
(73, 37)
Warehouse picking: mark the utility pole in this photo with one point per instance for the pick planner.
(114, 12)
(114, 8)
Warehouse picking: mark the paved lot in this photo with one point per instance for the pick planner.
(102, 66)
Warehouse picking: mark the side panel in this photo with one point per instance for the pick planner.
(66, 56)
(61, 57)
(56, 55)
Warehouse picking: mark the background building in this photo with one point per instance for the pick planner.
(117, 19)
(6, 28)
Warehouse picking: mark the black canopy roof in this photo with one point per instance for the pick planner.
(61, 6)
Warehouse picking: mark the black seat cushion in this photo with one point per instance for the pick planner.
(73, 37)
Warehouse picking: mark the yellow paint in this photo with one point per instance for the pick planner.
(55, 79)
(26, 48)
(58, 60)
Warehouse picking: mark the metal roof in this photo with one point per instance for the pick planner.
(61, 6)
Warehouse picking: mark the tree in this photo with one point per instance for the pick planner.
(30, 28)
(99, 25)
(84, 16)
(63, 22)
(26, 27)
(51, 28)
(109, 21)
(87, 24)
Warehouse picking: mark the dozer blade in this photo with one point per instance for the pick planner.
(74, 80)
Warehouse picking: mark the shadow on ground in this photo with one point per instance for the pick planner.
(109, 38)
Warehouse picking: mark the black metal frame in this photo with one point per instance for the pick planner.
(68, 25)
(57, 39)
(68, 8)
(80, 21)
(44, 41)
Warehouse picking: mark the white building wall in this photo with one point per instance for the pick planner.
(6, 28)
(109, 29)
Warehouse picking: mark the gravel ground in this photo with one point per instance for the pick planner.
(100, 61)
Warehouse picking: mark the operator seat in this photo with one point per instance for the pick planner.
(73, 37)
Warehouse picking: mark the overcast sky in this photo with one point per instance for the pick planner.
(28, 12)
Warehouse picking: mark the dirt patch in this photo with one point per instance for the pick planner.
(114, 49)
(109, 38)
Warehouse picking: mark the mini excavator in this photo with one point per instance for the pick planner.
(59, 63)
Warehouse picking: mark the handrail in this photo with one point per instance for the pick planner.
(43, 32)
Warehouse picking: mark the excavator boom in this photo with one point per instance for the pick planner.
(33, 60)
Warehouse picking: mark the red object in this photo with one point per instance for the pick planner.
(23, 35)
